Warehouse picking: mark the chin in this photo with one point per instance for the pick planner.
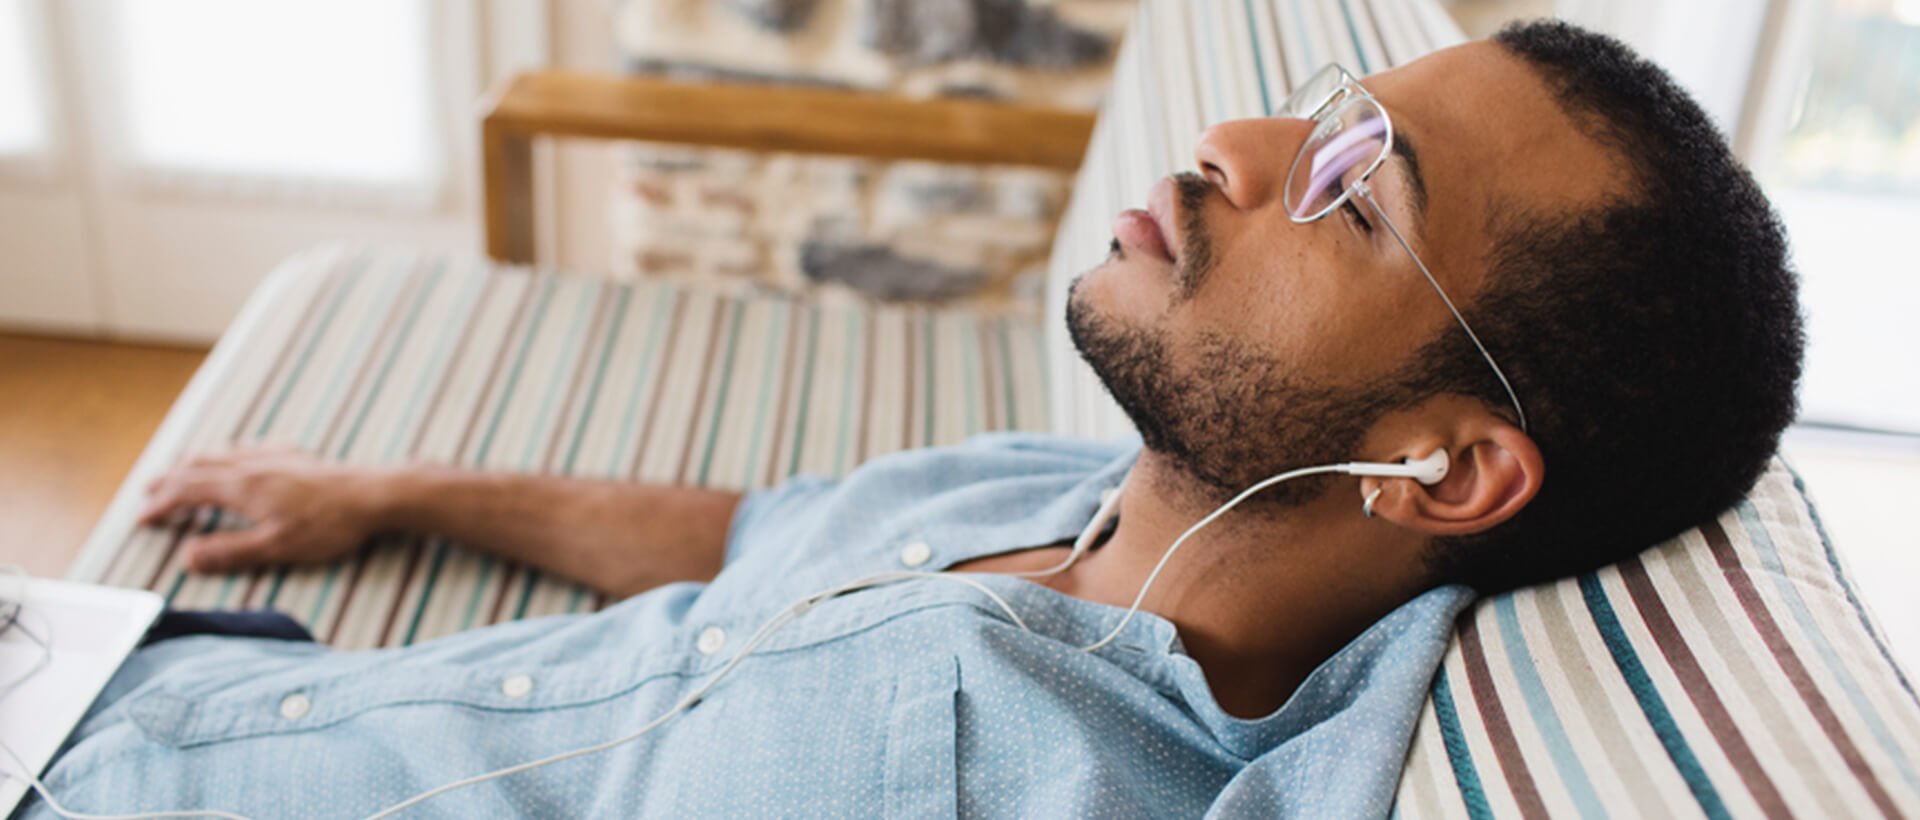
(1118, 288)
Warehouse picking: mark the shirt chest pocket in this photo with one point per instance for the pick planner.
(779, 736)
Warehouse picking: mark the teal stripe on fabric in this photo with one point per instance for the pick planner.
(1259, 63)
(599, 378)
(718, 409)
(426, 591)
(806, 390)
(306, 353)
(1213, 65)
(180, 578)
(1648, 696)
(1459, 756)
(664, 300)
(351, 364)
(437, 364)
(1353, 32)
(1839, 669)
(854, 342)
(1585, 799)
(513, 373)
(556, 386)
(1846, 584)
(769, 377)
(386, 367)
(1305, 44)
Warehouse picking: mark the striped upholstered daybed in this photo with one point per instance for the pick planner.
(1732, 671)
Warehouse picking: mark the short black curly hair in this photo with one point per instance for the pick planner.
(1655, 340)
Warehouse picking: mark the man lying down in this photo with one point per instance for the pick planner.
(1004, 643)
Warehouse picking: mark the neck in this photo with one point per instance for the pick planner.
(1260, 597)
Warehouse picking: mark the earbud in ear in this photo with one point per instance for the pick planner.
(1430, 470)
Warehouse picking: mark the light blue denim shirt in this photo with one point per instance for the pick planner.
(917, 699)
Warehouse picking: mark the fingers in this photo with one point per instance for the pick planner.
(177, 491)
(228, 550)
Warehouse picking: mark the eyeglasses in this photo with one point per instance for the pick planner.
(1352, 137)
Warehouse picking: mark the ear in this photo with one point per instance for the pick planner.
(1490, 479)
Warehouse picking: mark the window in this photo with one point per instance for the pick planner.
(23, 114)
(1839, 152)
(292, 95)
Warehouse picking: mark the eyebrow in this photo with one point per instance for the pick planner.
(1416, 184)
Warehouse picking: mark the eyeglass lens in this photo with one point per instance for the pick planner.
(1347, 141)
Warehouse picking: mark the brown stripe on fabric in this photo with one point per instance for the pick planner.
(660, 373)
(1686, 668)
(298, 339)
(1790, 664)
(387, 337)
(1499, 731)
(780, 411)
(597, 331)
(866, 387)
(513, 571)
(720, 321)
(417, 546)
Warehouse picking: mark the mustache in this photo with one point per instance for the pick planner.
(1196, 248)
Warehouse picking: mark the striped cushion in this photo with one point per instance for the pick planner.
(381, 356)
(1732, 671)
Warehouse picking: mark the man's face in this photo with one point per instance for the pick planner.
(1243, 344)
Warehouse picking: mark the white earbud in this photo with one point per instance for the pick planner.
(1429, 470)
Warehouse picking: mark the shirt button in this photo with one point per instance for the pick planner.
(516, 686)
(295, 706)
(916, 553)
(711, 639)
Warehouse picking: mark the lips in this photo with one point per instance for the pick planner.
(1148, 229)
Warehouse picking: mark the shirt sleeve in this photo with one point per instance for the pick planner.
(765, 513)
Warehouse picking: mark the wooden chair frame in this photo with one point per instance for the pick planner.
(758, 117)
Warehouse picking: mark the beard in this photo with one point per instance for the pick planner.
(1224, 413)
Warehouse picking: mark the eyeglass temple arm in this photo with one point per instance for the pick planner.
(1365, 193)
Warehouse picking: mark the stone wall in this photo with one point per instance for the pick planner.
(891, 230)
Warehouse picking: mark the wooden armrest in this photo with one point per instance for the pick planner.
(758, 117)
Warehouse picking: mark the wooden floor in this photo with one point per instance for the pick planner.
(74, 416)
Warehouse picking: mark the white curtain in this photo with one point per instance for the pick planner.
(1707, 45)
(302, 99)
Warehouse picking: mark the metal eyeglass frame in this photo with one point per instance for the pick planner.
(1350, 91)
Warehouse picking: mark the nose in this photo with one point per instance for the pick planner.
(1248, 159)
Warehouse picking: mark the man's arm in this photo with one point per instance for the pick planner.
(617, 537)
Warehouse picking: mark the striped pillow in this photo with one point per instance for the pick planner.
(1731, 671)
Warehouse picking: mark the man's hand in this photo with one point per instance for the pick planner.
(618, 537)
(303, 509)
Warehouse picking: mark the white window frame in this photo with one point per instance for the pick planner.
(42, 164)
(451, 72)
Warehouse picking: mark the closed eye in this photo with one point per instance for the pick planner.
(1353, 215)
